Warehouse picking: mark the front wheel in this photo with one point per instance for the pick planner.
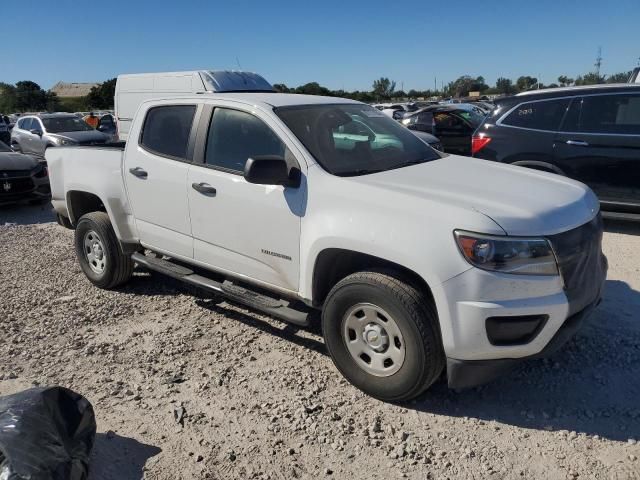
(383, 336)
(99, 253)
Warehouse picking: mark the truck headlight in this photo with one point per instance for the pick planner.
(517, 255)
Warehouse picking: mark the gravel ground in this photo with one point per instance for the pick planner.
(190, 387)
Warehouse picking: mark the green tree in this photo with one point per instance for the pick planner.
(565, 81)
(313, 88)
(281, 88)
(526, 83)
(505, 86)
(383, 88)
(102, 96)
(621, 77)
(590, 78)
(30, 97)
(7, 98)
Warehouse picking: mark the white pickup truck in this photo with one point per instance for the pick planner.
(419, 262)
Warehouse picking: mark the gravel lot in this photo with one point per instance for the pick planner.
(188, 387)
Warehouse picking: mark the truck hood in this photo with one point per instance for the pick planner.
(520, 200)
(16, 161)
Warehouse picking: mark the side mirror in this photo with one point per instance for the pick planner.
(36, 131)
(270, 170)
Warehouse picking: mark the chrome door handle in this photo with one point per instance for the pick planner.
(138, 172)
(577, 143)
(204, 188)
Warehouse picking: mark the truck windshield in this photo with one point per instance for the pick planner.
(354, 139)
(65, 124)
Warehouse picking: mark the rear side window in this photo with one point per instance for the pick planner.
(544, 115)
(25, 124)
(166, 130)
(605, 114)
(236, 136)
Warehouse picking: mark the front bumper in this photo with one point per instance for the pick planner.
(19, 189)
(470, 373)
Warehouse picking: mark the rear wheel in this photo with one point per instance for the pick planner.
(98, 252)
(382, 335)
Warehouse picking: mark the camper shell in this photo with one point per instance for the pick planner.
(134, 89)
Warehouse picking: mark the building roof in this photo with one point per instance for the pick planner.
(64, 89)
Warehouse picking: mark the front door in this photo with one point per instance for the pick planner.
(599, 144)
(155, 172)
(248, 230)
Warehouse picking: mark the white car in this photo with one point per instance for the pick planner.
(419, 262)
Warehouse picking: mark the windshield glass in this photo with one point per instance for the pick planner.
(354, 139)
(65, 124)
(472, 116)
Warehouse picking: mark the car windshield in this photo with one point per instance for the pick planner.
(65, 124)
(354, 139)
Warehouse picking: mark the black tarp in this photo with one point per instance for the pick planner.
(45, 434)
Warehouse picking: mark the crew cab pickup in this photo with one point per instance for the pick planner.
(419, 262)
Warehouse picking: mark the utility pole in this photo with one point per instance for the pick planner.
(435, 81)
(598, 61)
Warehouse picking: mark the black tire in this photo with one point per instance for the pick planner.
(415, 316)
(118, 266)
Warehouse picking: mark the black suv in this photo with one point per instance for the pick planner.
(591, 134)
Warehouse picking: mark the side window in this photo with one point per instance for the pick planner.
(425, 118)
(25, 124)
(36, 124)
(448, 120)
(166, 130)
(236, 136)
(543, 115)
(616, 114)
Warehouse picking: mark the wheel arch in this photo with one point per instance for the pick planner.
(333, 264)
(80, 203)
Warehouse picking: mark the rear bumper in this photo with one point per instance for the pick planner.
(470, 373)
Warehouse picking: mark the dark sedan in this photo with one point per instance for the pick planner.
(22, 177)
(453, 124)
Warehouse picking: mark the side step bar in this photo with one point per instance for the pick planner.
(279, 308)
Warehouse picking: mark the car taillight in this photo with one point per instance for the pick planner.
(478, 142)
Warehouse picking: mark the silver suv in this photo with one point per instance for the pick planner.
(35, 133)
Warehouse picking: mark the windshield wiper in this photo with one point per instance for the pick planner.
(362, 171)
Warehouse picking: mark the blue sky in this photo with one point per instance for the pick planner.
(341, 44)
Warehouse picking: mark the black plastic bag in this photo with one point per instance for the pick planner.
(45, 434)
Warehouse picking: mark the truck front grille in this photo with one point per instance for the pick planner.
(582, 264)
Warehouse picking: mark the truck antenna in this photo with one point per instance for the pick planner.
(238, 62)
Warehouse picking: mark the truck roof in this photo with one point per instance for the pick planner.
(274, 99)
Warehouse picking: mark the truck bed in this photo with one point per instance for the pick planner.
(93, 170)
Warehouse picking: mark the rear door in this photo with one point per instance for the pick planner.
(157, 158)
(599, 144)
(249, 230)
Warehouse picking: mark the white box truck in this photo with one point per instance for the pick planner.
(133, 89)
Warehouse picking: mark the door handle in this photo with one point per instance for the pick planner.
(138, 172)
(204, 188)
(577, 143)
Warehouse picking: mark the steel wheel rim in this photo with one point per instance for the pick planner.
(94, 252)
(373, 339)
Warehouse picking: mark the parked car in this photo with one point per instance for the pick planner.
(107, 125)
(453, 124)
(431, 140)
(5, 133)
(35, 133)
(414, 260)
(22, 177)
(591, 134)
